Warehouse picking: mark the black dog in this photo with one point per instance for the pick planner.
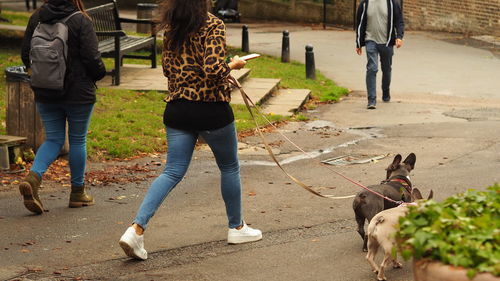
(397, 186)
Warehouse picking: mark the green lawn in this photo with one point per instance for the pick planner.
(293, 75)
(15, 18)
(126, 123)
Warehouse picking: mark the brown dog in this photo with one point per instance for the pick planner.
(397, 186)
(381, 234)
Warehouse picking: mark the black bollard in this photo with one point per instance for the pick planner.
(244, 39)
(310, 66)
(285, 47)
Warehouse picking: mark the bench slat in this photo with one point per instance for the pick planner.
(126, 43)
(106, 18)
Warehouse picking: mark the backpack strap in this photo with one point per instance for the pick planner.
(64, 20)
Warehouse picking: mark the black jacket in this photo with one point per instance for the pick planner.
(395, 23)
(85, 65)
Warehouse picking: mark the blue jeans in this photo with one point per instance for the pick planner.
(373, 50)
(54, 117)
(224, 145)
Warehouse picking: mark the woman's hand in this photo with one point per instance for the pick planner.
(237, 63)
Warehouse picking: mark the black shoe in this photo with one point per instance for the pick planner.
(371, 106)
(386, 98)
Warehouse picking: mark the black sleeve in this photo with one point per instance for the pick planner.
(90, 55)
(359, 22)
(398, 21)
(26, 45)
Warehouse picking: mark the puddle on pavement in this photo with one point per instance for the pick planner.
(363, 133)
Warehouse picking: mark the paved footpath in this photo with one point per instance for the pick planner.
(447, 112)
(425, 64)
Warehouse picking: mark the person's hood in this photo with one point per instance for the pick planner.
(56, 9)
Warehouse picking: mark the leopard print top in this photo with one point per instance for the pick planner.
(200, 72)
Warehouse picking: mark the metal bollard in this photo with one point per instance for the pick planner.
(244, 39)
(310, 66)
(285, 47)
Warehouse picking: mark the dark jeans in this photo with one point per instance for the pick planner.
(373, 50)
(54, 117)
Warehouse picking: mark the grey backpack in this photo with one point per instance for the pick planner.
(49, 53)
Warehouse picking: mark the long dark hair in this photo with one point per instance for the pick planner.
(80, 6)
(181, 19)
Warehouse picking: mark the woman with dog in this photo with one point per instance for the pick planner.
(71, 104)
(193, 60)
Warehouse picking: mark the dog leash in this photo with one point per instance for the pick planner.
(248, 103)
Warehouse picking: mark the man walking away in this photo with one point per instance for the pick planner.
(379, 26)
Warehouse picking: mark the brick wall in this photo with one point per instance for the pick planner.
(338, 12)
(463, 16)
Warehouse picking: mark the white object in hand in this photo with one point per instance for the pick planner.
(249, 57)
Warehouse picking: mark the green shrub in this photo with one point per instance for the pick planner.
(463, 230)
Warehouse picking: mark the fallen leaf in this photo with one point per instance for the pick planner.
(25, 251)
(252, 193)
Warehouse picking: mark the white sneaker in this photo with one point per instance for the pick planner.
(244, 235)
(133, 244)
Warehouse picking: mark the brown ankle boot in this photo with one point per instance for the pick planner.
(78, 198)
(29, 190)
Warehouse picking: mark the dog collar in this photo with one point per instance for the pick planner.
(406, 184)
(402, 181)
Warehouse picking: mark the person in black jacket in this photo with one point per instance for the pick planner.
(84, 68)
(379, 26)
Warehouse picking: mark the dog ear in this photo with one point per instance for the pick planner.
(416, 194)
(410, 160)
(394, 165)
(431, 194)
(397, 160)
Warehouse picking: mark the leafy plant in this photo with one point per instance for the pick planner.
(463, 231)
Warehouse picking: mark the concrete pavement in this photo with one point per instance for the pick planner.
(427, 62)
(454, 134)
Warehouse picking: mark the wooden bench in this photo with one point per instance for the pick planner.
(114, 43)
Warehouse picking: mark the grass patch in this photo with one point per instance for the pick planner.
(292, 76)
(244, 121)
(126, 123)
(15, 17)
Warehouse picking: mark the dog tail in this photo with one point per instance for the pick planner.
(358, 201)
